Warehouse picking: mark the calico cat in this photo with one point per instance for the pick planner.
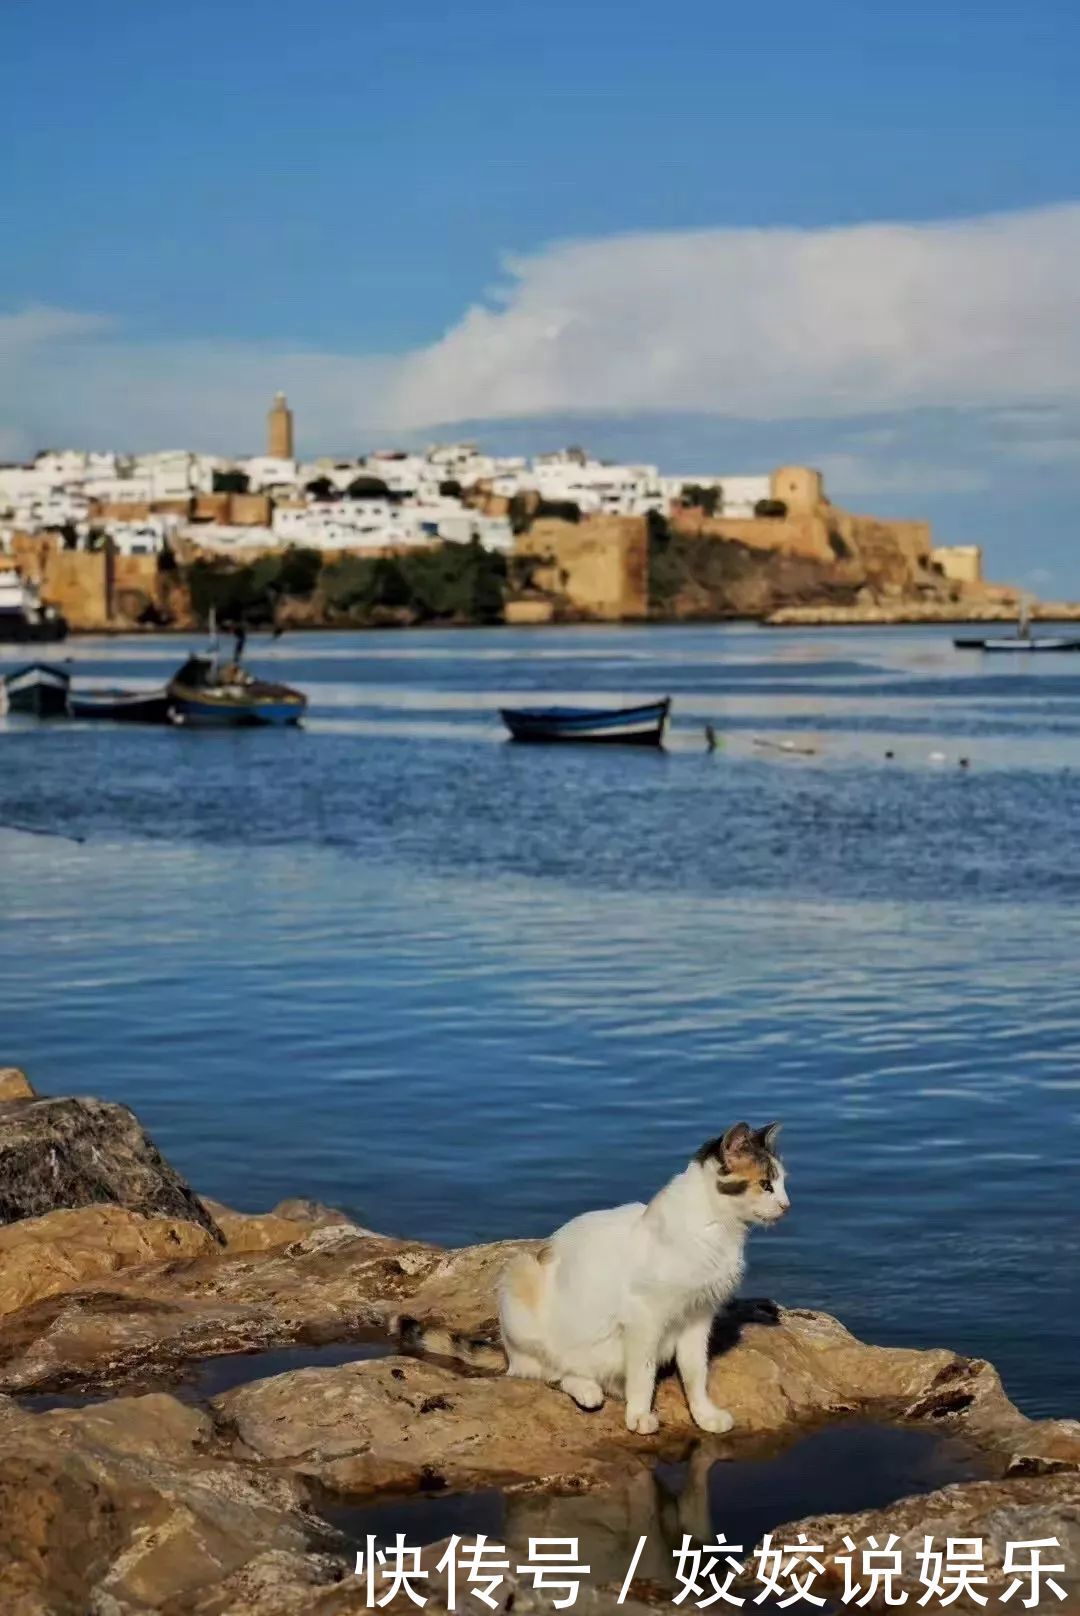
(615, 1294)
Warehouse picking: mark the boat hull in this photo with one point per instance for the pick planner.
(39, 691)
(210, 712)
(1017, 645)
(120, 706)
(15, 629)
(623, 726)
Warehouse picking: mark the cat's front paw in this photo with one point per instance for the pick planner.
(711, 1418)
(642, 1424)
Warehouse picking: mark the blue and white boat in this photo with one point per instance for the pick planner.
(627, 726)
(203, 694)
(40, 690)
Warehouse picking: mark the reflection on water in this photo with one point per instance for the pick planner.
(841, 1470)
(467, 989)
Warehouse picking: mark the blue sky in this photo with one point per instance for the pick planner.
(209, 200)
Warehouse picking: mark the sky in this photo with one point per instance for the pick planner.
(714, 237)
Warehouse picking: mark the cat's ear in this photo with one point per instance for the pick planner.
(738, 1141)
(767, 1136)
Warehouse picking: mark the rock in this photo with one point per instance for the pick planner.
(14, 1084)
(401, 1424)
(392, 1422)
(332, 1285)
(301, 1209)
(776, 1369)
(254, 1231)
(288, 1222)
(135, 1506)
(40, 1257)
(997, 1512)
(57, 1153)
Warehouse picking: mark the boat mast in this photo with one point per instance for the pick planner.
(1023, 620)
(212, 629)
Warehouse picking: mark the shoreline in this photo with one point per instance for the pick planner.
(785, 617)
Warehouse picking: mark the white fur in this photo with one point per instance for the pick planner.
(615, 1294)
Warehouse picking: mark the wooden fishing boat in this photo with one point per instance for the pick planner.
(39, 689)
(206, 695)
(628, 726)
(121, 706)
(1017, 642)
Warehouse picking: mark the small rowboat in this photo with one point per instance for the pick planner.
(121, 706)
(1016, 642)
(628, 726)
(203, 695)
(39, 689)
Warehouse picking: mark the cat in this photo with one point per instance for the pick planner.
(615, 1294)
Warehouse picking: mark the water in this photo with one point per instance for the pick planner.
(467, 990)
(737, 1498)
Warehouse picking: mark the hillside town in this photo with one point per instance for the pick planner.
(111, 540)
(383, 500)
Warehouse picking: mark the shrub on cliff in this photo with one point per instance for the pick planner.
(450, 582)
(250, 593)
(770, 507)
(695, 497)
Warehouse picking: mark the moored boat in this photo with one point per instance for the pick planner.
(121, 706)
(630, 726)
(1017, 642)
(204, 694)
(39, 689)
(23, 618)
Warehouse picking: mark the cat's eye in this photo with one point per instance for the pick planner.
(766, 1186)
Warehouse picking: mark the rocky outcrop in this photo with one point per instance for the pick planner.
(136, 1506)
(776, 1369)
(40, 1257)
(224, 1508)
(996, 1513)
(57, 1153)
(266, 1231)
(14, 1084)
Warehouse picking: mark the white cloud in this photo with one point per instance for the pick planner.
(981, 315)
(40, 323)
(770, 324)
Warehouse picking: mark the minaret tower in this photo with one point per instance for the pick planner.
(279, 430)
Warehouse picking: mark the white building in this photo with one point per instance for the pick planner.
(267, 472)
(148, 537)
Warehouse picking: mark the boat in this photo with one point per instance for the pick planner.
(39, 689)
(1018, 642)
(22, 616)
(1022, 640)
(629, 726)
(121, 706)
(206, 694)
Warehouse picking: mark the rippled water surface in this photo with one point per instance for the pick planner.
(468, 989)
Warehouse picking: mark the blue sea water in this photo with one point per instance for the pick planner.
(468, 990)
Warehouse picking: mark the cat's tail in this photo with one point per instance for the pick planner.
(522, 1306)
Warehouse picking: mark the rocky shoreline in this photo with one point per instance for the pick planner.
(129, 1484)
(884, 612)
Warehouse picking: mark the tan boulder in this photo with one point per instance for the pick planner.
(996, 1513)
(289, 1221)
(60, 1251)
(130, 1507)
(14, 1084)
